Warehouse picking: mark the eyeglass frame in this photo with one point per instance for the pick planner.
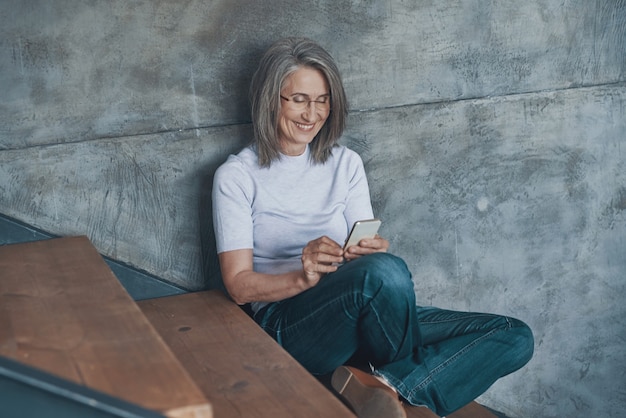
(309, 101)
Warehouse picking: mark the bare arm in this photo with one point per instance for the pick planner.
(245, 285)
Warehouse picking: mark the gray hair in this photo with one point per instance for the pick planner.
(282, 59)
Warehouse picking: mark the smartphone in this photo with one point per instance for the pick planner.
(362, 229)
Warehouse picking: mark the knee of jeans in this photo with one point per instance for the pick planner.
(525, 338)
(390, 272)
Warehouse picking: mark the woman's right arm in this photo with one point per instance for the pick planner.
(244, 285)
(233, 193)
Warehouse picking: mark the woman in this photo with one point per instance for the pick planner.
(283, 205)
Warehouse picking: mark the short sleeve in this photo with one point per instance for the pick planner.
(358, 202)
(232, 206)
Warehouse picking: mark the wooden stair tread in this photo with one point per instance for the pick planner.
(62, 310)
(240, 368)
(472, 410)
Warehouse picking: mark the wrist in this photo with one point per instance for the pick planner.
(308, 280)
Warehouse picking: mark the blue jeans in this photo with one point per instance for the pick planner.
(367, 310)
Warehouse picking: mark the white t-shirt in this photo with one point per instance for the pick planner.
(277, 210)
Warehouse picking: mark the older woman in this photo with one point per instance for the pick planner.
(281, 208)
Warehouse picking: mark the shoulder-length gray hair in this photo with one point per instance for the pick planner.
(282, 59)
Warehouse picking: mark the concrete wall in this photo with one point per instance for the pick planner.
(492, 132)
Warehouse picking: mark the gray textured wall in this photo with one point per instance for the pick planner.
(492, 132)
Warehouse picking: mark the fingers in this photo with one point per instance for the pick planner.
(320, 256)
(323, 249)
(367, 246)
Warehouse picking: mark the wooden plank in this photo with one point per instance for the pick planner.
(472, 410)
(62, 310)
(241, 369)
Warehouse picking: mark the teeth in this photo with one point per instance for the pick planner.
(305, 127)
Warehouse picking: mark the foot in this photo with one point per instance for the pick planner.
(368, 396)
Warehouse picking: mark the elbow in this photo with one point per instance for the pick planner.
(239, 301)
(236, 296)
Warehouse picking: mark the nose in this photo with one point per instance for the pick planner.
(309, 111)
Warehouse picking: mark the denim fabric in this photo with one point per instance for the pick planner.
(367, 310)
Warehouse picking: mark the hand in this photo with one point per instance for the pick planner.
(318, 258)
(367, 246)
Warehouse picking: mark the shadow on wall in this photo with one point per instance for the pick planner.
(210, 262)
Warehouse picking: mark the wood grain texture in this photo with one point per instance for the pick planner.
(472, 410)
(62, 310)
(240, 369)
(514, 205)
(493, 136)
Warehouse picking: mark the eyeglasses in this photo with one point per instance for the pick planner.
(301, 102)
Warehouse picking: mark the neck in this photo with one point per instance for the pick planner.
(293, 151)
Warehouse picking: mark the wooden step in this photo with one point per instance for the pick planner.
(63, 311)
(240, 368)
(472, 410)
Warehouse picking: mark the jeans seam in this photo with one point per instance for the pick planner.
(279, 331)
(382, 328)
(304, 318)
(430, 378)
(477, 315)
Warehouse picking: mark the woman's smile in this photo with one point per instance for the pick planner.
(304, 127)
(304, 109)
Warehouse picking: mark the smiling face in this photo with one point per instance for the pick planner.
(298, 122)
